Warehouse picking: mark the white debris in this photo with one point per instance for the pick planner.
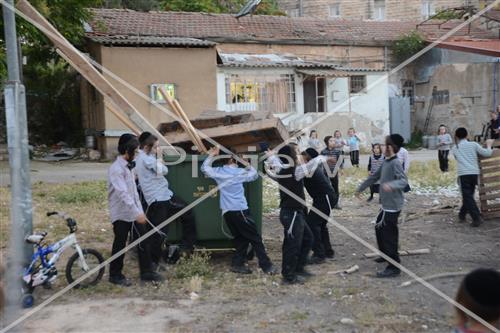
(347, 321)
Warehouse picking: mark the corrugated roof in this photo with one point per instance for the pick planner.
(484, 47)
(273, 60)
(124, 40)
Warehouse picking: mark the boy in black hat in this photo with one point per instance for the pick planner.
(479, 292)
(289, 171)
(392, 183)
(126, 212)
(324, 198)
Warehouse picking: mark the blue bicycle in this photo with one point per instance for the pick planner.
(42, 270)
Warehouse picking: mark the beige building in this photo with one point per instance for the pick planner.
(409, 10)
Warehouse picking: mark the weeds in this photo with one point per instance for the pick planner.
(81, 193)
(196, 265)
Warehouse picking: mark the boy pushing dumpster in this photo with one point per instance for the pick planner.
(230, 179)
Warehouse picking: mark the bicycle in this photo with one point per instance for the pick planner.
(42, 270)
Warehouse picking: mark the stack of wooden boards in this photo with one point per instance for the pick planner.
(489, 187)
(241, 132)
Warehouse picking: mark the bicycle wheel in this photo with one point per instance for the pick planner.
(74, 268)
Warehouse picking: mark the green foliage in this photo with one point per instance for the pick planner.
(86, 192)
(449, 14)
(266, 7)
(407, 45)
(52, 89)
(139, 5)
(416, 140)
(197, 264)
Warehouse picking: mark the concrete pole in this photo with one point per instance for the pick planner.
(17, 141)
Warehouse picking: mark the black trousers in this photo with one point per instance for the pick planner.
(354, 154)
(244, 231)
(335, 185)
(387, 232)
(468, 185)
(121, 229)
(375, 188)
(160, 211)
(297, 242)
(443, 160)
(321, 246)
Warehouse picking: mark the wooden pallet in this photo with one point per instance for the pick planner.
(489, 184)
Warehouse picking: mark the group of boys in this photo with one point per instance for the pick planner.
(303, 230)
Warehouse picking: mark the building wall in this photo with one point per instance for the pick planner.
(192, 70)
(470, 80)
(363, 9)
(354, 56)
(367, 112)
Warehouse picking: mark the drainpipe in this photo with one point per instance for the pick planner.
(495, 66)
(301, 8)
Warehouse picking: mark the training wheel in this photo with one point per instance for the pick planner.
(27, 301)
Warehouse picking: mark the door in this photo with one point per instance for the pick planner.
(399, 110)
(314, 94)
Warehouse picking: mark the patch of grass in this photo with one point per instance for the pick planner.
(198, 264)
(82, 193)
(270, 194)
(428, 176)
(298, 316)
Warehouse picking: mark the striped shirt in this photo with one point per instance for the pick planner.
(466, 153)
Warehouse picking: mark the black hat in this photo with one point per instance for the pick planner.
(286, 150)
(397, 140)
(483, 286)
(313, 153)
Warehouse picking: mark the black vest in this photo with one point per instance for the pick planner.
(292, 185)
(318, 185)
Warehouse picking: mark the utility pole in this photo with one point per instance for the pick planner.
(17, 141)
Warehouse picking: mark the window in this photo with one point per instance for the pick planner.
(275, 94)
(379, 10)
(408, 91)
(155, 95)
(441, 97)
(334, 10)
(428, 8)
(358, 84)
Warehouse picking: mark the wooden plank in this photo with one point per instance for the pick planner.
(85, 68)
(193, 130)
(491, 215)
(492, 196)
(257, 131)
(487, 189)
(185, 124)
(490, 179)
(490, 207)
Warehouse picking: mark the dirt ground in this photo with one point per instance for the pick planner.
(227, 302)
(231, 303)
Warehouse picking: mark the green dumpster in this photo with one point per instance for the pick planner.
(212, 232)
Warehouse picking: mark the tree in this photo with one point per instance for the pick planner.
(266, 7)
(139, 5)
(51, 85)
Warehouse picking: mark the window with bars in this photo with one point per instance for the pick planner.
(275, 94)
(357, 84)
(441, 97)
(409, 91)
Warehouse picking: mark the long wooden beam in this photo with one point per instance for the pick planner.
(184, 120)
(85, 68)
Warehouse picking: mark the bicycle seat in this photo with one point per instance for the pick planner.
(36, 238)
